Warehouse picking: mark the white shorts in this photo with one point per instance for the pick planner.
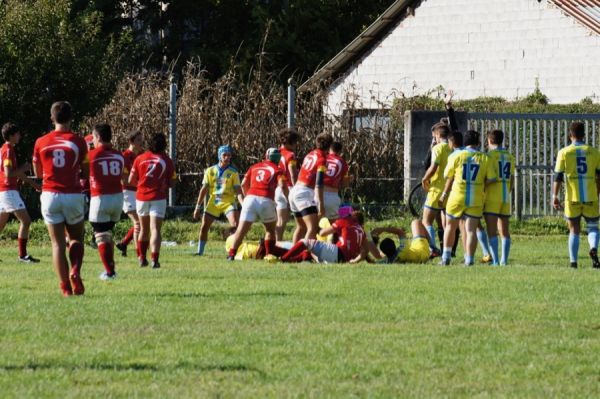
(281, 202)
(129, 201)
(301, 198)
(324, 251)
(58, 207)
(11, 201)
(258, 208)
(152, 208)
(106, 208)
(332, 204)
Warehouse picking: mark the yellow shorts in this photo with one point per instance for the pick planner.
(456, 210)
(433, 199)
(415, 252)
(497, 208)
(215, 209)
(588, 210)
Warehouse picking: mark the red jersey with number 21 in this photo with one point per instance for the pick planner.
(314, 162)
(351, 237)
(264, 177)
(60, 155)
(106, 169)
(154, 172)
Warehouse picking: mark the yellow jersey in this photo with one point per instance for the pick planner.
(439, 157)
(579, 163)
(222, 184)
(503, 165)
(469, 169)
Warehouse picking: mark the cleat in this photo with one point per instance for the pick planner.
(123, 248)
(469, 264)
(573, 265)
(453, 254)
(197, 254)
(434, 253)
(155, 265)
(486, 259)
(230, 257)
(444, 262)
(143, 262)
(271, 258)
(108, 277)
(28, 259)
(594, 256)
(65, 289)
(77, 284)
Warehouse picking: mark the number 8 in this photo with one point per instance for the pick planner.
(58, 158)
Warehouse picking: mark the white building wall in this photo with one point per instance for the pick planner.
(477, 48)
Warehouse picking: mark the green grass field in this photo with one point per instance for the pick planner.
(203, 327)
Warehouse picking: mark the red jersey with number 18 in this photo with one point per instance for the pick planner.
(264, 177)
(106, 169)
(154, 172)
(60, 155)
(8, 158)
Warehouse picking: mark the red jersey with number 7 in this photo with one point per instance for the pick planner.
(60, 156)
(154, 172)
(337, 169)
(106, 169)
(264, 177)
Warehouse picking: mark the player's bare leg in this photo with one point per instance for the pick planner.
(283, 216)
(441, 222)
(238, 237)
(207, 221)
(233, 218)
(23, 236)
(4, 217)
(59, 258)
(429, 216)
(449, 237)
(135, 221)
(574, 232)
(300, 230)
(503, 223)
(471, 225)
(155, 239)
(312, 226)
(144, 239)
(491, 223)
(592, 227)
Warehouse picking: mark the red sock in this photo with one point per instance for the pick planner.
(273, 249)
(155, 256)
(143, 248)
(128, 237)
(137, 249)
(76, 257)
(232, 251)
(296, 250)
(22, 247)
(107, 257)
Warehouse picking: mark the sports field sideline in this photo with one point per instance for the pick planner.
(205, 327)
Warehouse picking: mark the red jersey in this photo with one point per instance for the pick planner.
(351, 237)
(313, 163)
(106, 170)
(264, 177)
(154, 172)
(337, 169)
(288, 158)
(60, 155)
(129, 157)
(85, 183)
(8, 159)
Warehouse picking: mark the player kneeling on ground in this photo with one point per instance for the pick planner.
(10, 199)
(417, 251)
(351, 244)
(258, 187)
(154, 173)
(106, 202)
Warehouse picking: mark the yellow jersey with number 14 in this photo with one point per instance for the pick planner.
(579, 163)
(469, 169)
(503, 164)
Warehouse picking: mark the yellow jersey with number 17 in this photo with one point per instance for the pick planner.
(579, 163)
(469, 169)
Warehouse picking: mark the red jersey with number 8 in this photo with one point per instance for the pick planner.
(351, 237)
(154, 172)
(264, 177)
(106, 169)
(337, 169)
(313, 163)
(60, 155)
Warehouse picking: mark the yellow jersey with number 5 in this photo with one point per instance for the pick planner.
(579, 163)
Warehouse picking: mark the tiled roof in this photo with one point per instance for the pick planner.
(587, 12)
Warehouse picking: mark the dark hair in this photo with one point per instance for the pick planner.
(104, 132)
(133, 135)
(388, 247)
(9, 129)
(158, 143)
(324, 141)
(359, 217)
(457, 138)
(442, 129)
(577, 129)
(288, 136)
(472, 138)
(61, 112)
(336, 147)
(496, 136)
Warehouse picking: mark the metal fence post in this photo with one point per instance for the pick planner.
(291, 103)
(172, 129)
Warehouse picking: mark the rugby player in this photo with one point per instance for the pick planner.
(336, 177)
(288, 139)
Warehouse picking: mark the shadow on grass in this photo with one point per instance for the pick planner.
(265, 294)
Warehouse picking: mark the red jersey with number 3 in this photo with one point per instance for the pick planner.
(264, 177)
(154, 172)
(129, 157)
(60, 155)
(313, 163)
(337, 169)
(288, 158)
(106, 169)
(8, 159)
(351, 237)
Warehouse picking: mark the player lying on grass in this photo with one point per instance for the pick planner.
(10, 199)
(58, 159)
(417, 250)
(258, 187)
(349, 246)
(579, 166)
(220, 187)
(107, 167)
